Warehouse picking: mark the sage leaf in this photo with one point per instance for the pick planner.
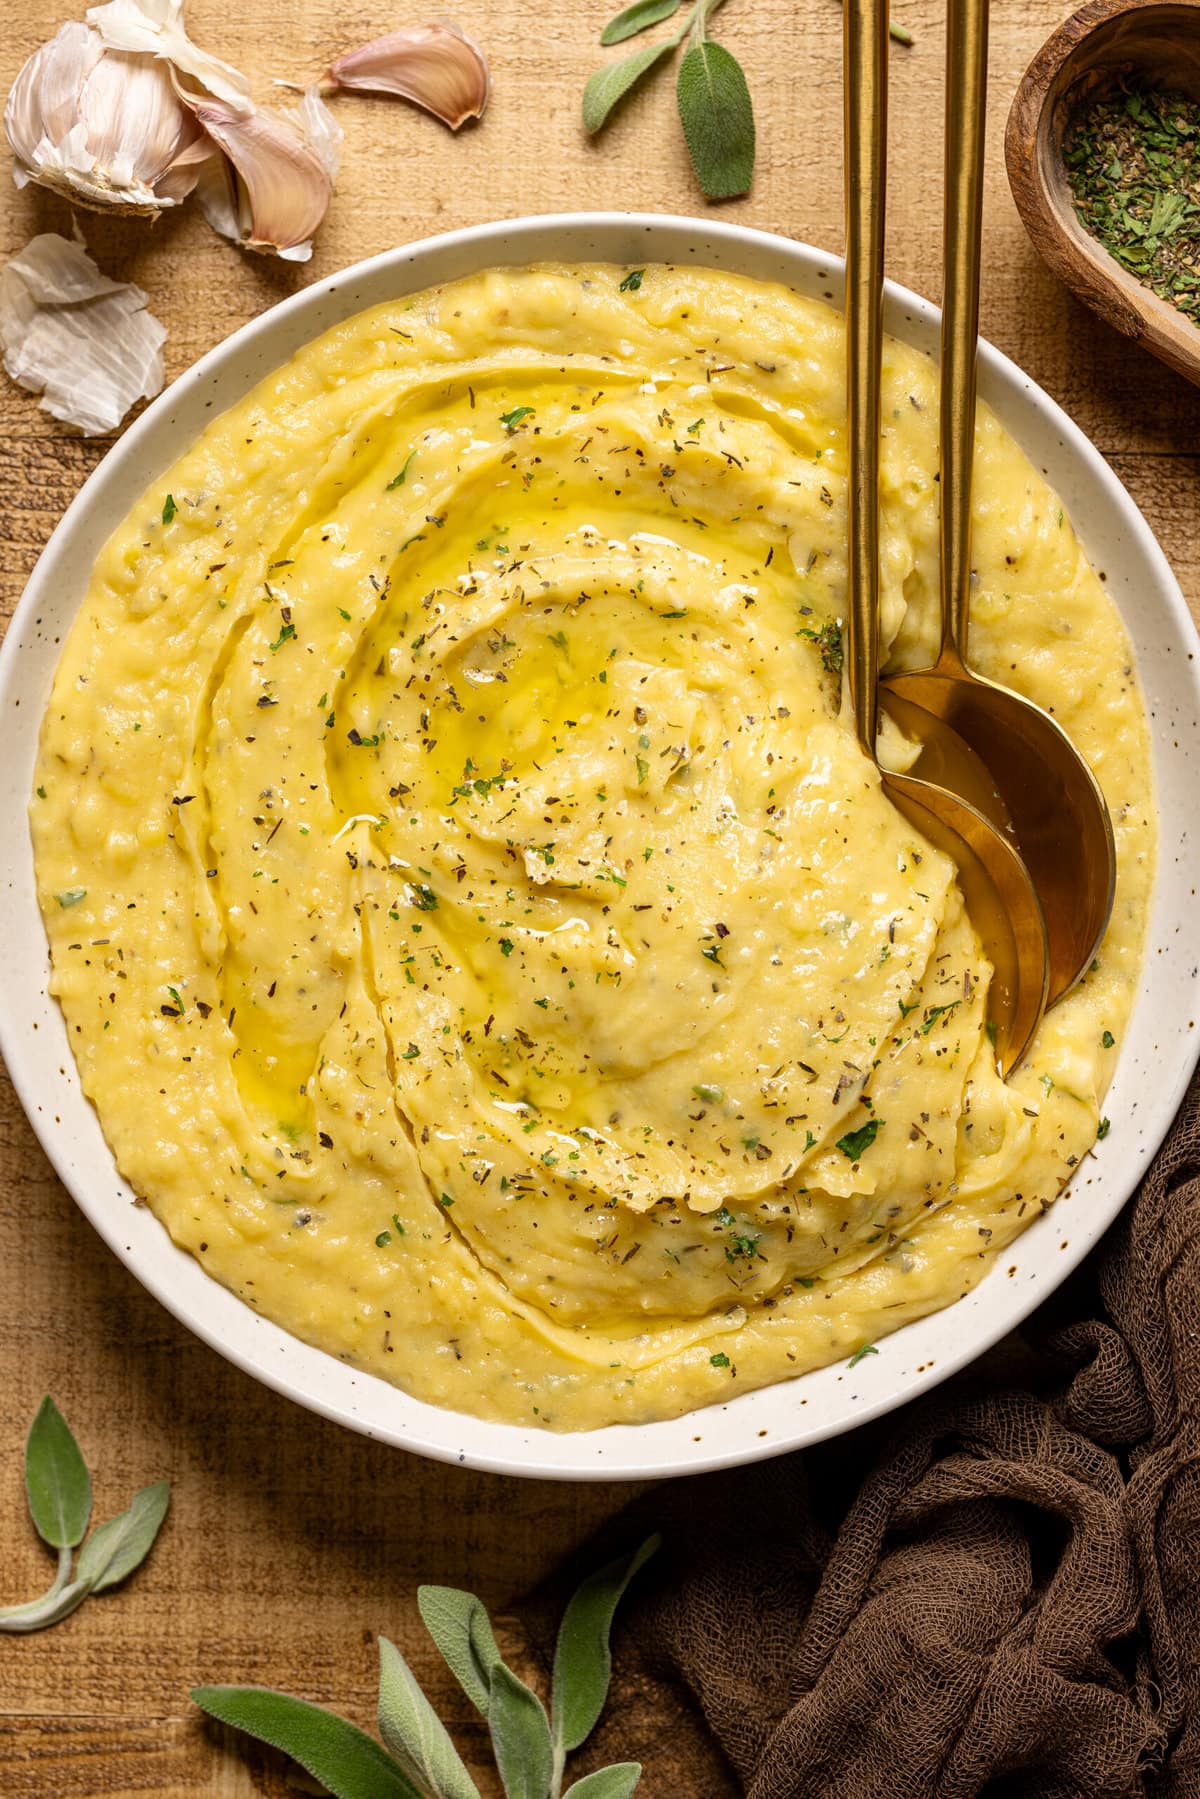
(115, 1549)
(582, 1658)
(342, 1757)
(415, 1734)
(459, 1625)
(616, 1782)
(520, 1737)
(57, 1483)
(607, 87)
(717, 116)
(638, 17)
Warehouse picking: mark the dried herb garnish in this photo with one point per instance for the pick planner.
(1132, 157)
(829, 644)
(855, 1143)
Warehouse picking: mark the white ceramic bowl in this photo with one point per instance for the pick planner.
(1156, 1058)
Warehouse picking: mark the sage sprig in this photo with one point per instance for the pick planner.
(420, 1760)
(712, 94)
(714, 103)
(58, 1489)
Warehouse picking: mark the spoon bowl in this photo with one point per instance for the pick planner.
(943, 757)
(950, 795)
(1001, 901)
(1056, 812)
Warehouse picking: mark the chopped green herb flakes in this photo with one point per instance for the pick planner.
(399, 480)
(855, 1143)
(1132, 156)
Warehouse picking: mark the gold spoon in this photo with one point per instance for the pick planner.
(1000, 897)
(1057, 811)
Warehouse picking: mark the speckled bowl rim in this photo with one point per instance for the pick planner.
(1156, 1059)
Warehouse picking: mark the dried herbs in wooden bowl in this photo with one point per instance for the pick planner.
(1132, 157)
(1103, 152)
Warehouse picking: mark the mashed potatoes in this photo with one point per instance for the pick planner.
(479, 933)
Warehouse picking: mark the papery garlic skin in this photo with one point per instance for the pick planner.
(436, 66)
(271, 187)
(319, 129)
(106, 130)
(155, 28)
(86, 343)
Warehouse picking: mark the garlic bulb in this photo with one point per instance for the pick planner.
(437, 66)
(272, 186)
(107, 130)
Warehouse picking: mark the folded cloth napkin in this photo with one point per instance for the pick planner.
(995, 1591)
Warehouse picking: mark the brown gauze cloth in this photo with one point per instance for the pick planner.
(995, 1591)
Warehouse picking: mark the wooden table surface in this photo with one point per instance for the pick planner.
(291, 1542)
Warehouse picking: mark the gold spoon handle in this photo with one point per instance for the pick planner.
(966, 122)
(865, 78)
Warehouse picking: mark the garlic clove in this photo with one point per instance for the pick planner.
(216, 191)
(437, 66)
(179, 180)
(271, 187)
(85, 343)
(155, 28)
(99, 127)
(44, 99)
(137, 127)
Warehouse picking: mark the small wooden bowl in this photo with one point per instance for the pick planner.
(1159, 40)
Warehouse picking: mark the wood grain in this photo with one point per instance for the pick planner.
(291, 1542)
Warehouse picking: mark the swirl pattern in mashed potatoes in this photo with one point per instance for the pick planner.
(481, 937)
